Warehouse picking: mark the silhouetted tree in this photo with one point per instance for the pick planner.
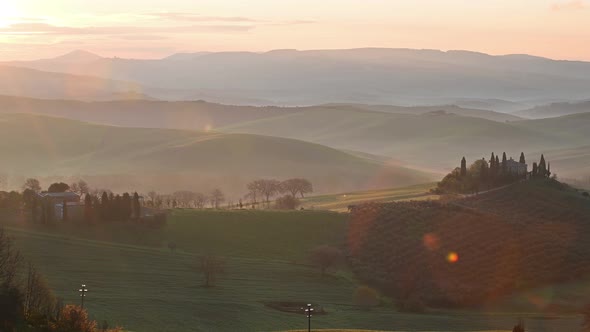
(136, 206)
(535, 171)
(548, 170)
(522, 159)
(542, 170)
(463, 167)
(88, 214)
(217, 198)
(64, 211)
(504, 163)
(32, 184)
(104, 206)
(58, 187)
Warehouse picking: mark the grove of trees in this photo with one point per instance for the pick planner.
(263, 190)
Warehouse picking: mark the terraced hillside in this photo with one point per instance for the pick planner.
(473, 250)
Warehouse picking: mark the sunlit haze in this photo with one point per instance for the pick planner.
(31, 29)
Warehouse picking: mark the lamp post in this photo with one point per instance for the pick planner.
(83, 291)
(308, 313)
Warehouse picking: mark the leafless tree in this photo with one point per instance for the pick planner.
(297, 186)
(32, 184)
(38, 298)
(265, 188)
(211, 266)
(80, 187)
(217, 198)
(10, 260)
(152, 195)
(200, 200)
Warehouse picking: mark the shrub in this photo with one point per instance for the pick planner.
(366, 297)
(287, 202)
(325, 257)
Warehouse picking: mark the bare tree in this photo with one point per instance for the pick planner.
(10, 260)
(266, 188)
(254, 190)
(32, 184)
(38, 298)
(152, 195)
(184, 197)
(217, 198)
(200, 200)
(211, 266)
(325, 257)
(80, 187)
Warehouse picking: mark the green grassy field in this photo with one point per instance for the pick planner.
(340, 202)
(135, 281)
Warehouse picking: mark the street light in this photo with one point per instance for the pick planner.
(308, 313)
(83, 291)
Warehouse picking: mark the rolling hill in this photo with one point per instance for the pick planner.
(128, 158)
(473, 250)
(555, 110)
(369, 75)
(453, 109)
(436, 140)
(33, 83)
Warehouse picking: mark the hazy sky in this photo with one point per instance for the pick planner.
(156, 28)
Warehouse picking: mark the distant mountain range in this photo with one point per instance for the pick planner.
(371, 75)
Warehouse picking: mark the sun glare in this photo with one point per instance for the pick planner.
(8, 11)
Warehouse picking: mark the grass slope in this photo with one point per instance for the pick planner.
(340, 202)
(176, 159)
(527, 235)
(149, 289)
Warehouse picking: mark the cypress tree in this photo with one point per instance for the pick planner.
(104, 206)
(127, 206)
(64, 210)
(535, 169)
(43, 212)
(548, 170)
(117, 208)
(542, 170)
(34, 208)
(88, 207)
(492, 161)
(136, 206)
(504, 163)
(484, 171)
(463, 167)
(522, 160)
(497, 163)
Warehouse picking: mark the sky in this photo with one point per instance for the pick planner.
(32, 29)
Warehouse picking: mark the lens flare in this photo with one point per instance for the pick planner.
(452, 257)
(430, 241)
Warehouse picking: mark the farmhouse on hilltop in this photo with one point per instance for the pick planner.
(516, 168)
(56, 201)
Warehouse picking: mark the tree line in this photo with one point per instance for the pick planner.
(263, 190)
